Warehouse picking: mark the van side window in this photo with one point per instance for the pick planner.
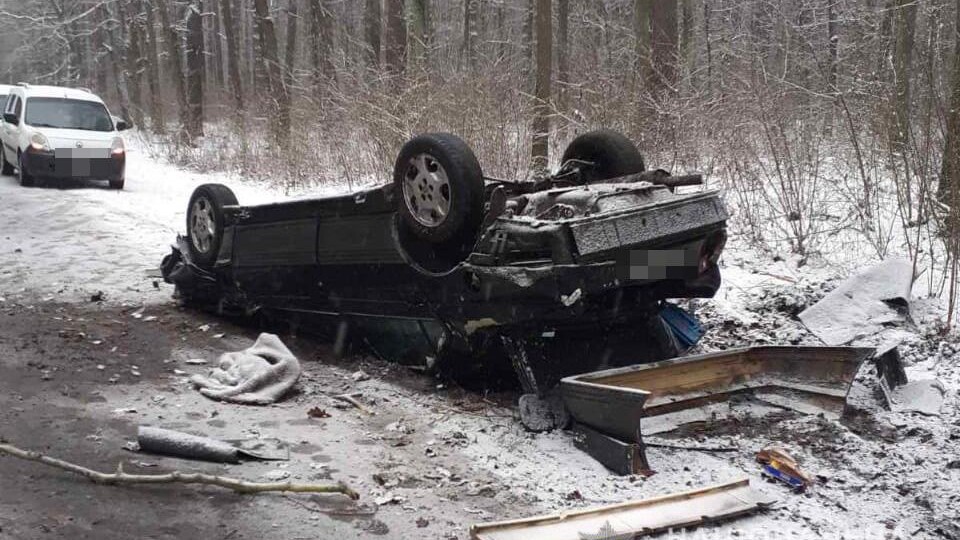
(18, 107)
(8, 107)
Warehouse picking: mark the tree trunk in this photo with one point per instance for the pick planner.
(419, 12)
(233, 55)
(834, 40)
(541, 112)
(172, 41)
(267, 38)
(641, 34)
(112, 42)
(948, 191)
(906, 21)
(394, 53)
(195, 68)
(290, 61)
(371, 32)
(526, 45)
(321, 45)
(471, 12)
(217, 43)
(663, 44)
(687, 56)
(97, 42)
(135, 62)
(563, 53)
(157, 120)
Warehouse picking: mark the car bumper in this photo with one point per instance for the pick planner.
(50, 166)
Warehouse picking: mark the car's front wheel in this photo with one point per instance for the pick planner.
(26, 180)
(205, 220)
(8, 169)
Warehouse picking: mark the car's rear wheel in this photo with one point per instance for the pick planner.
(205, 220)
(8, 169)
(440, 187)
(25, 179)
(117, 184)
(602, 155)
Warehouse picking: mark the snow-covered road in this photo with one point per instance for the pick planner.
(69, 241)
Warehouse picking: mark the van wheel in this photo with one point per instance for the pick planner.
(609, 153)
(117, 184)
(8, 169)
(25, 179)
(440, 187)
(205, 220)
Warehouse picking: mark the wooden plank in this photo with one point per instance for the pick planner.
(633, 519)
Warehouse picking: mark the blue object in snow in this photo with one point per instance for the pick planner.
(685, 327)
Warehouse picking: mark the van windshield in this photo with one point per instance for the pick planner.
(65, 113)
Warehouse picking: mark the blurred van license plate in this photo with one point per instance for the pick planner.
(81, 153)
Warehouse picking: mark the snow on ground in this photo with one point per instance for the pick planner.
(67, 241)
(883, 474)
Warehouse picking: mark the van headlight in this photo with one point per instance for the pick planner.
(117, 149)
(39, 143)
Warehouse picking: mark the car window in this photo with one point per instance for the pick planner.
(66, 113)
(3, 99)
(17, 107)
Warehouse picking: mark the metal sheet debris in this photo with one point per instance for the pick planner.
(862, 304)
(628, 403)
(633, 519)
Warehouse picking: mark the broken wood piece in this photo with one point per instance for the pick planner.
(633, 519)
(351, 399)
(120, 477)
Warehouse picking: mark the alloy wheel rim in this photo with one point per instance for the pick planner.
(203, 225)
(426, 190)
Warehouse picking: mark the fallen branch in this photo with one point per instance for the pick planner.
(120, 477)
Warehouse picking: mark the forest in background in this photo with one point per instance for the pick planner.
(827, 120)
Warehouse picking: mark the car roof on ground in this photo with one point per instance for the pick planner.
(59, 92)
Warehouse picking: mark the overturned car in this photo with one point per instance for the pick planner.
(560, 275)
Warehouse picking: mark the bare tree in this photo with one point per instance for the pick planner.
(542, 109)
(371, 32)
(394, 53)
(233, 55)
(174, 57)
(277, 95)
(195, 70)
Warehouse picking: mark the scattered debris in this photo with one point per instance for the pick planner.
(780, 465)
(185, 445)
(120, 477)
(317, 412)
(389, 498)
(259, 375)
(196, 361)
(924, 396)
(97, 296)
(543, 414)
(633, 519)
(647, 399)
(352, 400)
(359, 376)
(862, 304)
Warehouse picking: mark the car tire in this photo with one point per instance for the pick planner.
(7, 169)
(205, 220)
(440, 189)
(117, 184)
(612, 154)
(25, 179)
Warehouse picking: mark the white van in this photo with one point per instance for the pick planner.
(54, 132)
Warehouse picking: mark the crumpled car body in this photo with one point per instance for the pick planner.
(552, 268)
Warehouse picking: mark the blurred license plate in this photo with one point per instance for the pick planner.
(81, 153)
(654, 264)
